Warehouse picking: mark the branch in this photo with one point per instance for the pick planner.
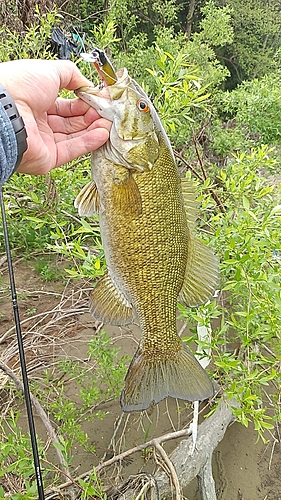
(210, 433)
(206, 481)
(202, 177)
(213, 192)
(171, 468)
(190, 167)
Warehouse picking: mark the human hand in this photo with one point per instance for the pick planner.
(59, 130)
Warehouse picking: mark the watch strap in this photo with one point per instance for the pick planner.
(16, 121)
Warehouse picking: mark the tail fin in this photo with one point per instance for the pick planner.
(149, 380)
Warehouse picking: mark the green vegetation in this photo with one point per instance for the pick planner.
(94, 386)
(228, 141)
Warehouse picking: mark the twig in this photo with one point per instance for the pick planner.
(199, 157)
(194, 425)
(73, 482)
(153, 442)
(43, 315)
(42, 414)
(111, 446)
(189, 166)
(203, 177)
(117, 458)
(271, 454)
(213, 193)
(172, 470)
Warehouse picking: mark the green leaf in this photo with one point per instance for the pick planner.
(246, 203)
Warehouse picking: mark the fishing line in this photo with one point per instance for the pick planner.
(22, 356)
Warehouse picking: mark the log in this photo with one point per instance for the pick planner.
(199, 464)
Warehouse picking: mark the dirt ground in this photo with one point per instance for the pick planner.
(243, 468)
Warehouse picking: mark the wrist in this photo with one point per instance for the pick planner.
(16, 121)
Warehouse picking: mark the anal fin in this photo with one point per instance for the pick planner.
(151, 380)
(108, 305)
(201, 276)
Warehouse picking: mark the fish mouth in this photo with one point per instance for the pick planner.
(92, 91)
(110, 92)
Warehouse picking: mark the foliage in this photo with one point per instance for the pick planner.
(16, 457)
(227, 138)
(33, 201)
(256, 42)
(94, 386)
(247, 241)
(92, 487)
(20, 16)
(179, 93)
(215, 27)
(256, 105)
(33, 43)
(183, 77)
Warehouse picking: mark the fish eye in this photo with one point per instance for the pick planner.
(143, 106)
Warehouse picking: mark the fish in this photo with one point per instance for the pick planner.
(147, 217)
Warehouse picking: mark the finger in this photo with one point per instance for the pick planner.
(69, 149)
(70, 76)
(69, 107)
(79, 123)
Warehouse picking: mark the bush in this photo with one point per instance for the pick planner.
(256, 105)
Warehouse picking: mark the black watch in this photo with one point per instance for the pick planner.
(17, 122)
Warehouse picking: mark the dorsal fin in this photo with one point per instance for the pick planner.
(201, 275)
(189, 201)
(202, 269)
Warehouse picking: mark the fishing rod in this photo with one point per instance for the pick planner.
(33, 439)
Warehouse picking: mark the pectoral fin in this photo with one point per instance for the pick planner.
(87, 200)
(201, 276)
(125, 193)
(151, 380)
(108, 305)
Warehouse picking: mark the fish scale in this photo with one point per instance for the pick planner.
(147, 217)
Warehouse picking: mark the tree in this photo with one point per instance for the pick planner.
(256, 43)
(19, 15)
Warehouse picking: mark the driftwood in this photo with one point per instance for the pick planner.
(187, 466)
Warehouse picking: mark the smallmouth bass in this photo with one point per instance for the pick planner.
(147, 219)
